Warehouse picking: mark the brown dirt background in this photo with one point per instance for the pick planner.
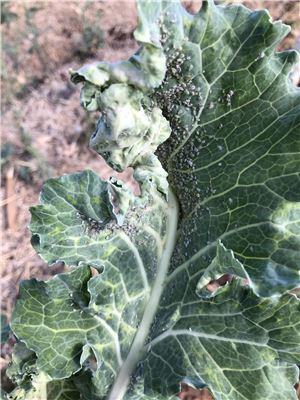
(43, 126)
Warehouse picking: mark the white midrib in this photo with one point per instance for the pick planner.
(138, 345)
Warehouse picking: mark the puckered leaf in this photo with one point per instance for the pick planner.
(33, 385)
(145, 323)
(22, 360)
(224, 341)
(91, 317)
(235, 139)
(80, 221)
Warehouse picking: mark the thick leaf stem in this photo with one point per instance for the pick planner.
(138, 346)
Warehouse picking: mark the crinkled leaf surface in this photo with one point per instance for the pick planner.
(76, 223)
(33, 385)
(146, 322)
(227, 340)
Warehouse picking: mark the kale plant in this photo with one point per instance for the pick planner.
(206, 115)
